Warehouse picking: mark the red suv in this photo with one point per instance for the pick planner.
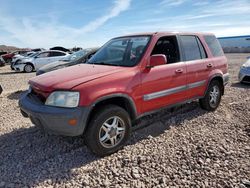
(129, 77)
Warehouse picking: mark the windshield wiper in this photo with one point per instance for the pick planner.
(102, 63)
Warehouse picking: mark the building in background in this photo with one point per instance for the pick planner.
(235, 44)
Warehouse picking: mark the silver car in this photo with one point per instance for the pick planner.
(244, 74)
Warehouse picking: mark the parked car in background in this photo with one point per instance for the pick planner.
(2, 62)
(35, 62)
(18, 58)
(129, 77)
(60, 49)
(244, 74)
(2, 53)
(38, 49)
(76, 58)
(8, 57)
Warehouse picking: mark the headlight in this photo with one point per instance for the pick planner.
(243, 67)
(63, 99)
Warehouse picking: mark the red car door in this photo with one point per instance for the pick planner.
(198, 65)
(164, 85)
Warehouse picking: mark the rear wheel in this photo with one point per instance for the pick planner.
(28, 68)
(213, 96)
(108, 130)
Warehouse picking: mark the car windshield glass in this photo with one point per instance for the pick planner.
(76, 55)
(34, 54)
(125, 51)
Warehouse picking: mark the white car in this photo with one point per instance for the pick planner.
(40, 59)
(18, 57)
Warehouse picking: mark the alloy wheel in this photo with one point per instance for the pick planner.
(112, 132)
(214, 95)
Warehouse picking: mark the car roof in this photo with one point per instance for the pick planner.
(54, 51)
(166, 33)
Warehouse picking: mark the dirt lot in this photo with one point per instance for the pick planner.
(185, 148)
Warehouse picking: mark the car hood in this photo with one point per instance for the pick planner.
(27, 59)
(17, 56)
(70, 77)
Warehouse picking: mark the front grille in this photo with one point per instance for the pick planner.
(246, 79)
(40, 97)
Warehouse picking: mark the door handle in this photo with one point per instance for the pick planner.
(210, 65)
(179, 70)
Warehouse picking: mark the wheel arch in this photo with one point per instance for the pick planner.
(119, 99)
(218, 77)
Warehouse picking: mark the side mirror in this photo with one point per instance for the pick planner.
(155, 60)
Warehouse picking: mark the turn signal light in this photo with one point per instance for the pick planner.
(72, 122)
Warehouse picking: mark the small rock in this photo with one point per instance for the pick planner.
(135, 174)
(2, 184)
(44, 172)
(246, 183)
(242, 186)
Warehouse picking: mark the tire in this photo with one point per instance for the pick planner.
(212, 98)
(101, 137)
(28, 68)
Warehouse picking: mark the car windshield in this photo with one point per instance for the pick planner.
(76, 55)
(34, 54)
(124, 51)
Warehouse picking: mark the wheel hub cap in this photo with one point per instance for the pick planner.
(214, 94)
(112, 132)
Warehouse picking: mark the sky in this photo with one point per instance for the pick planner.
(91, 23)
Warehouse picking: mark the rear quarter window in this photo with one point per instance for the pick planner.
(54, 54)
(214, 45)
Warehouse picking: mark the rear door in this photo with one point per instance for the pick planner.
(55, 56)
(165, 84)
(198, 65)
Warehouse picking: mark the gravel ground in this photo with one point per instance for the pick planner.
(187, 147)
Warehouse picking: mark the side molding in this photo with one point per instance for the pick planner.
(171, 91)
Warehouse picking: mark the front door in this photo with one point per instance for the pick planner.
(165, 84)
(41, 60)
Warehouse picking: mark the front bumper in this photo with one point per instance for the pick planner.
(54, 119)
(244, 75)
(19, 67)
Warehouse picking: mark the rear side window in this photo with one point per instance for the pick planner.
(53, 54)
(214, 45)
(192, 48)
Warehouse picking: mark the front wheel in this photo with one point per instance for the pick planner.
(213, 96)
(108, 130)
(28, 68)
